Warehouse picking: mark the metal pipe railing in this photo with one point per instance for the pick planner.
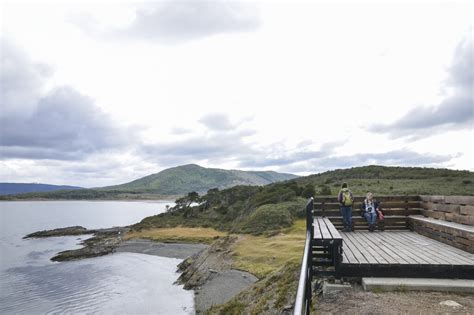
(303, 295)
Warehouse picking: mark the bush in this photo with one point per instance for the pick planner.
(267, 218)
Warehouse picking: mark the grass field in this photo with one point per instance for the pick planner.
(262, 255)
(178, 234)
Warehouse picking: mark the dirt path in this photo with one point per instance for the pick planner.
(357, 301)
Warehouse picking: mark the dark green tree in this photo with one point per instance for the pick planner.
(308, 191)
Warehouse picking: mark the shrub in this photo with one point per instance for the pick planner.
(267, 218)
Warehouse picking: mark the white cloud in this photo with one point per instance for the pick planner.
(455, 111)
(311, 76)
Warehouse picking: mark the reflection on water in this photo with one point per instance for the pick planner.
(124, 283)
(119, 283)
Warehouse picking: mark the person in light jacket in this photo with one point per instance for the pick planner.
(370, 210)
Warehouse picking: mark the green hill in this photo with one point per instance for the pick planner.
(169, 182)
(250, 209)
(384, 180)
(186, 178)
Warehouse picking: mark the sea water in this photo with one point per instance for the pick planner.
(120, 283)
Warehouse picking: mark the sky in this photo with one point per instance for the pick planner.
(105, 92)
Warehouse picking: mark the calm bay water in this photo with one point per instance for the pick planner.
(121, 283)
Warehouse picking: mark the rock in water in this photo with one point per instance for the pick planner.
(450, 303)
(72, 230)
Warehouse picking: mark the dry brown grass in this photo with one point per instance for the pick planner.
(178, 234)
(261, 255)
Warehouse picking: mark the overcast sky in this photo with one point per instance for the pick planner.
(96, 94)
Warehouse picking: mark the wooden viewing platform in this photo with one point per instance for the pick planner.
(422, 237)
(402, 254)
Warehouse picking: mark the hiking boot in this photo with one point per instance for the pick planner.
(381, 227)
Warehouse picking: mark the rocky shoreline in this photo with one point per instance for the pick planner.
(211, 276)
(104, 241)
(205, 269)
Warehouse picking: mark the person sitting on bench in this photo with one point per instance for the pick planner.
(369, 210)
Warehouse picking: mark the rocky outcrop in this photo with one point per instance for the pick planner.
(72, 230)
(104, 241)
(211, 276)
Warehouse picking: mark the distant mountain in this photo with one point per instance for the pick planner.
(186, 178)
(20, 188)
(168, 183)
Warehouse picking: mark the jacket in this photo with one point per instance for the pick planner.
(340, 197)
(363, 207)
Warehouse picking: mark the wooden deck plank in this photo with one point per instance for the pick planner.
(334, 232)
(422, 252)
(381, 244)
(344, 256)
(351, 258)
(400, 257)
(452, 254)
(362, 249)
(402, 249)
(433, 251)
(437, 249)
(374, 241)
(447, 252)
(413, 251)
(365, 241)
(324, 229)
(317, 230)
(355, 250)
(457, 251)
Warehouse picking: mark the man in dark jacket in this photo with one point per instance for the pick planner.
(346, 200)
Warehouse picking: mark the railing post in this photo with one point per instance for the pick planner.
(310, 229)
(309, 216)
(304, 292)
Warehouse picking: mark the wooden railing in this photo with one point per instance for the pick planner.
(303, 295)
(396, 209)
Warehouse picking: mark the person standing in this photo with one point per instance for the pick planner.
(346, 199)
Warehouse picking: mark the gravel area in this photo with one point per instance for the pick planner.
(357, 301)
(221, 287)
(171, 250)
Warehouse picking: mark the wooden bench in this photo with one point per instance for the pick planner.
(327, 247)
(448, 219)
(396, 209)
(455, 234)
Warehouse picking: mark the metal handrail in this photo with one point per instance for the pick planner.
(301, 303)
(303, 295)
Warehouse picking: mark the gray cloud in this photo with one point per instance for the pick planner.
(62, 124)
(401, 157)
(172, 21)
(397, 157)
(217, 122)
(227, 144)
(175, 21)
(21, 81)
(212, 147)
(223, 140)
(180, 131)
(456, 111)
(278, 158)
